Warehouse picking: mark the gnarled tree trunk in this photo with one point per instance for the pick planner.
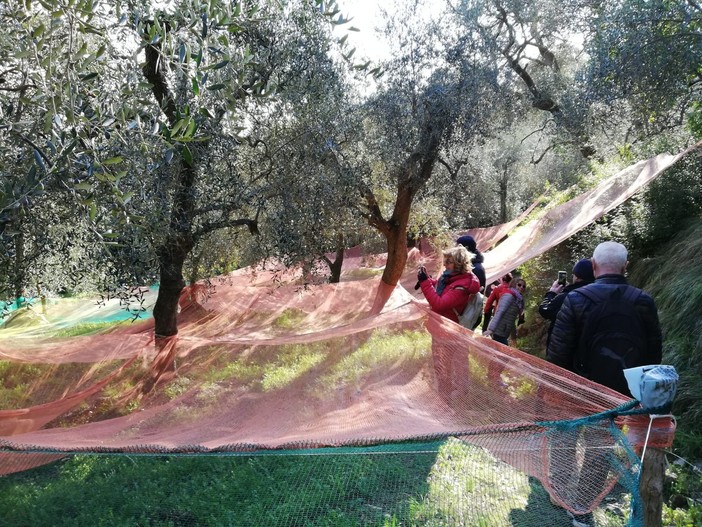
(179, 239)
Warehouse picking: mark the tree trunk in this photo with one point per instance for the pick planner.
(396, 234)
(19, 268)
(336, 265)
(179, 240)
(170, 287)
(395, 231)
(397, 254)
(651, 487)
(502, 192)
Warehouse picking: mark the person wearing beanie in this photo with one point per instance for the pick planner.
(478, 270)
(477, 261)
(582, 271)
(554, 297)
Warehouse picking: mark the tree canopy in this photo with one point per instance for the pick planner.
(146, 142)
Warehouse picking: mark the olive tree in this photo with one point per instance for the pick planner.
(646, 58)
(435, 94)
(129, 103)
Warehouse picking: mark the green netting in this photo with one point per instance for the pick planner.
(447, 483)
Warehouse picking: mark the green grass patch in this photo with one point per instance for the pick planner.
(289, 319)
(430, 485)
(87, 328)
(382, 350)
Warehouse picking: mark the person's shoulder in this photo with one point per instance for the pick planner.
(574, 286)
(643, 297)
(465, 280)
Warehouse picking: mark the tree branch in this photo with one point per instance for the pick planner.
(211, 226)
(21, 87)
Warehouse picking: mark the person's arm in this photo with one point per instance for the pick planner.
(563, 344)
(551, 304)
(491, 299)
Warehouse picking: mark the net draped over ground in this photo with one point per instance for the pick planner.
(258, 367)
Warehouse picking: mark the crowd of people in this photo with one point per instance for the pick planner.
(599, 325)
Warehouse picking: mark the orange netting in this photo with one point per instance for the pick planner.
(257, 366)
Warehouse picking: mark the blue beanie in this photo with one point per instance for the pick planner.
(468, 242)
(583, 270)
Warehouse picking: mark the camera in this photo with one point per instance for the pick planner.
(562, 277)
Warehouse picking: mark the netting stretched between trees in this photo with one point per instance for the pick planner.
(263, 374)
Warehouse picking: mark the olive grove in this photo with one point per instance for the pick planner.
(146, 142)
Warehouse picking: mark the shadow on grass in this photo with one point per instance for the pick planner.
(538, 508)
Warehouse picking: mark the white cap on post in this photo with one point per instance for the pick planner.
(653, 386)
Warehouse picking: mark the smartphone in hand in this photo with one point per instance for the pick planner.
(562, 277)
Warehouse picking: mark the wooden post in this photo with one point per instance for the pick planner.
(651, 487)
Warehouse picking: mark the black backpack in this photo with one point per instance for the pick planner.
(613, 336)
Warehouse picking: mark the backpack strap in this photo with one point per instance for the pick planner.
(631, 293)
(594, 295)
(597, 295)
(460, 288)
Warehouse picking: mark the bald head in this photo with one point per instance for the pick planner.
(609, 258)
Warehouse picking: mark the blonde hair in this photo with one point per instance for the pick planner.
(461, 258)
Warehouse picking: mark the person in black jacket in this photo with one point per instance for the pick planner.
(554, 297)
(609, 262)
(477, 261)
(591, 337)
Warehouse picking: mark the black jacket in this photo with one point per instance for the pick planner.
(478, 269)
(551, 305)
(567, 331)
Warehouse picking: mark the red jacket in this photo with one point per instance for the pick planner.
(495, 295)
(455, 295)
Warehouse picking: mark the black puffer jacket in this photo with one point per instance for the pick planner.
(567, 331)
(551, 305)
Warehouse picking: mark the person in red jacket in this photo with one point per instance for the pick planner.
(449, 294)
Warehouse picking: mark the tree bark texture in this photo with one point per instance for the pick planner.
(336, 265)
(178, 241)
(651, 487)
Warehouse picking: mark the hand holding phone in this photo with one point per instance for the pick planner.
(562, 277)
(421, 276)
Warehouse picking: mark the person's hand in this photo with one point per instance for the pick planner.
(557, 287)
(422, 275)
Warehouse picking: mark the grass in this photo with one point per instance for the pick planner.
(378, 353)
(25, 384)
(88, 328)
(438, 484)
